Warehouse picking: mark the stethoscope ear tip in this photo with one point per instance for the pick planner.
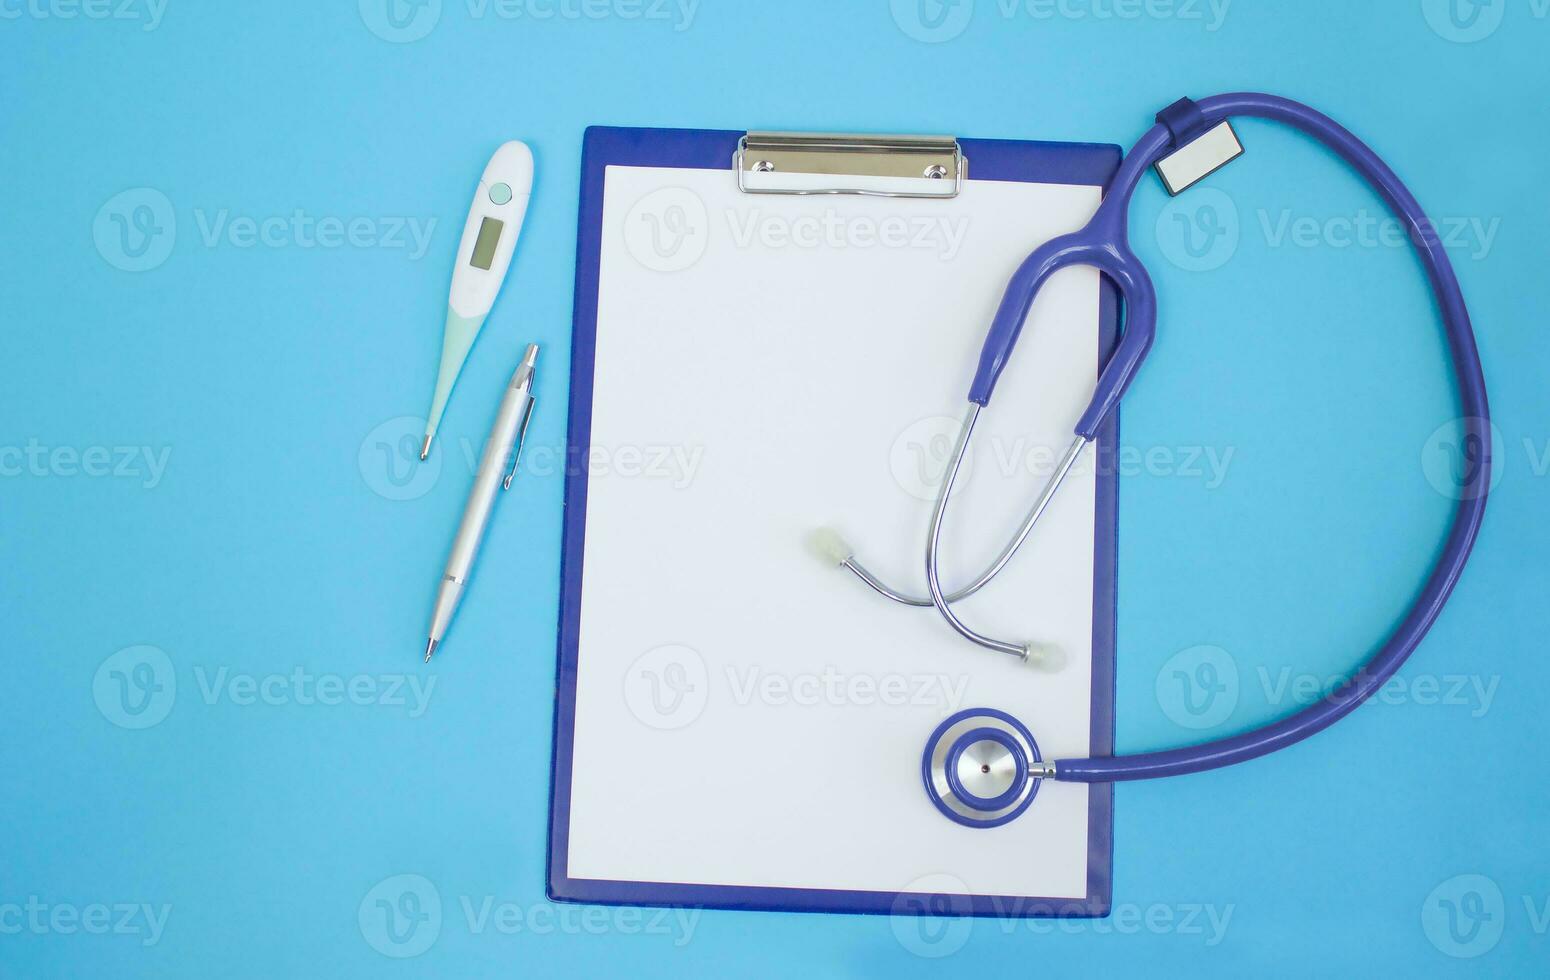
(829, 547)
(1048, 657)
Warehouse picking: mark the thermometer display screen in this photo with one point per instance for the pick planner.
(484, 246)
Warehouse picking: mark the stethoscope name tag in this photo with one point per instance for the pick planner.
(1200, 158)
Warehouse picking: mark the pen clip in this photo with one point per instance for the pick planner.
(516, 453)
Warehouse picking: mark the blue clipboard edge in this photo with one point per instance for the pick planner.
(1056, 163)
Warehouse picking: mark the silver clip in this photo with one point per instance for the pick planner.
(516, 454)
(874, 166)
(523, 380)
(1199, 158)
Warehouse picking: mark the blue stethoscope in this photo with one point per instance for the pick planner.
(982, 767)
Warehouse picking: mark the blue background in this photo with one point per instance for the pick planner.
(288, 531)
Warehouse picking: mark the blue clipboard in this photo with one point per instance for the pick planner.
(1006, 160)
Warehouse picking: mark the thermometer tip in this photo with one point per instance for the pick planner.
(425, 450)
(429, 650)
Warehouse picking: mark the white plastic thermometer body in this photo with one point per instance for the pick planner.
(483, 256)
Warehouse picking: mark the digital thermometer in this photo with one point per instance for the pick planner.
(483, 256)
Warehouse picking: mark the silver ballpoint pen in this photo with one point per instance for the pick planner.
(505, 442)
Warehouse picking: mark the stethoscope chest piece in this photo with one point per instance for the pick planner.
(979, 767)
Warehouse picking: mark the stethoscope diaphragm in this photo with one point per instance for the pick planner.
(980, 766)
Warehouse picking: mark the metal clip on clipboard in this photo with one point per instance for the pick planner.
(875, 166)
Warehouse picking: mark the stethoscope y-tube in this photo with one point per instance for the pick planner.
(1103, 243)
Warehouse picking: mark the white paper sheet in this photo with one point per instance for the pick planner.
(765, 365)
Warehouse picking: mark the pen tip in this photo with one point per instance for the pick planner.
(429, 650)
(425, 450)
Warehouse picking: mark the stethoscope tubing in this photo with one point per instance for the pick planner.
(1109, 225)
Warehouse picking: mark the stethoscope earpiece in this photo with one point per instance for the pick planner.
(982, 767)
